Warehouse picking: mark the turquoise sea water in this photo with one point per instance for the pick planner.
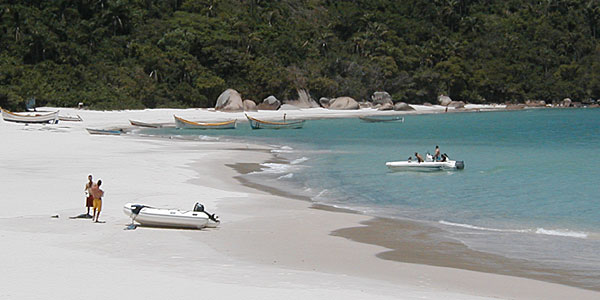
(530, 188)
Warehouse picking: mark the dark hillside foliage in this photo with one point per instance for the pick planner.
(114, 54)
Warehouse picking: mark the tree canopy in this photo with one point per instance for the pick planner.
(183, 53)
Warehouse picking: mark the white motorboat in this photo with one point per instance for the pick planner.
(428, 165)
(165, 217)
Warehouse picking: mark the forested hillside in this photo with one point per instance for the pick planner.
(184, 53)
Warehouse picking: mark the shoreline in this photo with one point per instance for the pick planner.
(412, 241)
(290, 253)
(454, 253)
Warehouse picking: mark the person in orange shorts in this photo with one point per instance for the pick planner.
(97, 203)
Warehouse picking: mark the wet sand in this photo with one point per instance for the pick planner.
(419, 243)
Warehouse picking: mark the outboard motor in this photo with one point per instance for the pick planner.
(135, 209)
(460, 164)
(198, 207)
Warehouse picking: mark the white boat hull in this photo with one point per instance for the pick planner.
(142, 124)
(51, 118)
(186, 124)
(424, 166)
(261, 124)
(164, 217)
(104, 131)
(70, 118)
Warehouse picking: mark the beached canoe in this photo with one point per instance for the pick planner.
(181, 123)
(260, 124)
(70, 118)
(142, 124)
(104, 131)
(165, 217)
(377, 119)
(51, 118)
(413, 165)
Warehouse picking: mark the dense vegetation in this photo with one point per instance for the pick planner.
(184, 53)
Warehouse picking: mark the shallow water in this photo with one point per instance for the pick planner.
(529, 188)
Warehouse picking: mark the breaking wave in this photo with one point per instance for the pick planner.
(553, 232)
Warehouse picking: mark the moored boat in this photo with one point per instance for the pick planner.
(377, 119)
(104, 131)
(165, 217)
(181, 123)
(70, 118)
(143, 124)
(51, 118)
(260, 124)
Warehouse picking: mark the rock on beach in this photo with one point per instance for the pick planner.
(269, 103)
(229, 100)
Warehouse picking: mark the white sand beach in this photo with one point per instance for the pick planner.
(267, 246)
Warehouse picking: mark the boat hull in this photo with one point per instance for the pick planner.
(70, 118)
(260, 124)
(424, 166)
(382, 119)
(185, 124)
(163, 217)
(142, 124)
(104, 131)
(51, 118)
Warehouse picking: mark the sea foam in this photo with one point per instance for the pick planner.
(299, 160)
(553, 232)
(286, 176)
(482, 228)
(562, 232)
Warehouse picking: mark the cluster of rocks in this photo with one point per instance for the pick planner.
(566, 102)
(231, 100)
(444, 100)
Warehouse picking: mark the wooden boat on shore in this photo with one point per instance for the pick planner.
(142, 124)
(377, 119)
(181, 123)
(104, 131)
(165, 217)
(51, 118)
(260, 124)
(70, 118)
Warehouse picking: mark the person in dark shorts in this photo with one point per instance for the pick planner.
(89, 199)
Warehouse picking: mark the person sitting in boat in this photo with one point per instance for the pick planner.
(419, 157)
(444, 157)
(436, 154)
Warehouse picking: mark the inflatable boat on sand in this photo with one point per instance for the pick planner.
(165, 217)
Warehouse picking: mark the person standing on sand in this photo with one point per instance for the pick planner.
(89, 199)
(98, 194)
